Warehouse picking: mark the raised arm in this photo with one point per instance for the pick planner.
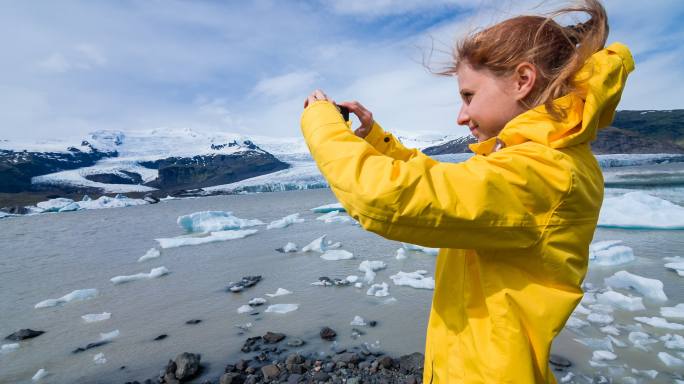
(485, 202)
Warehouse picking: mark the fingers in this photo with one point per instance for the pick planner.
(316, 96)
(365, 116)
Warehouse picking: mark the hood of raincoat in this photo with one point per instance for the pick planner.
(591, 107)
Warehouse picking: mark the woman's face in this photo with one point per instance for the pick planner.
(489, 102)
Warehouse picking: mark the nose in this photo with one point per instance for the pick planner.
(463, 117)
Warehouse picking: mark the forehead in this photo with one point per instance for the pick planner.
(471, 78)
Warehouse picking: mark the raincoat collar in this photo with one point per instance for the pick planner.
(599, 86)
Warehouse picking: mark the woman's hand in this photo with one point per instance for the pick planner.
(365, 116)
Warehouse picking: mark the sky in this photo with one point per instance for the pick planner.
(72, 67)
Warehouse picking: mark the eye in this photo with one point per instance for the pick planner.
(467, 96)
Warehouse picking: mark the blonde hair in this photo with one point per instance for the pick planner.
(556, 51)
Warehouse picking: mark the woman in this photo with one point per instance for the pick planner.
(513, 222)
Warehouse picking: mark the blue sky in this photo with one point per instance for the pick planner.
(72, 67)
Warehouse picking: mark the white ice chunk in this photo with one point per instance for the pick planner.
(154, 273)
(369, 268)
(420, 248)
(600, 318)
(214, 221)
(95, 317)
(641, 340)
(650, 373)
(245, 309)
(285, 221)
(567, 378)
(617, 342)
(328, 208)
(99, 358)
(650, 288)
(603, 355)
(603, 344)
(581, 310)
(659, 322)
(77, 295)
(279, 292)
(401, 254)
(211, 238)
(290, 247)
(576, 323)
(640, 210)
(320, 245)
(676, 312)
(621, 301)
(352, 278)
(328, 215)
(670, 360)
(282, 308)
(54, 205)
(677, 267)
(39, 375)
(611, 330)
(358, 284)
(257, 301)
(415, 279)
(378, 290)
(109, 336)
(337, 254)
(608, 253)
(110, 202)
(338, 219)
(674, 259)
(10, 347)
(152, 253)
(358, 321)
(673, 341)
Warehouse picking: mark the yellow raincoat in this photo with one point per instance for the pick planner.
(514, 224)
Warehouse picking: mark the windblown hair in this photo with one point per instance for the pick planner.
(556, 51)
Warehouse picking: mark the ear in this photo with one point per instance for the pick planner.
(525, 76)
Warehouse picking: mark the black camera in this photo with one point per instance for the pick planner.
(344, 111)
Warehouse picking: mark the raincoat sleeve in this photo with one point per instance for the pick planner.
(485, 202)
(387, 144)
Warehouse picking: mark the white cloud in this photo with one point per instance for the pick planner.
(289, 84)
(56, 63)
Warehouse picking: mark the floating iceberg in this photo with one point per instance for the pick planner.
(213, 237)
(621, 301)
(154, 273)
(600, 318)
(337, 254)
(213, 221)
(77, 295)
(650, 288)
(677, 267)
(109, 336)
(358, 321)
(378, 290)
(676, 312)
(328, 215)
(39, 375)
(670, 360)
(281, 308)
(369, 268)
(95, 317)
(7, 348)
(659, 322)
(279, 292)
(611, 330)
(329, 208)
(320, 245)
(99, 358)
(54, 205)
(257, 301)
(289, 247)
(61, 204)
(339, 219)
(152, 253)
(414, 279)
(603, 355)
(285, 221)
(420, 248)
(638, 210)
(641, 340)
(608, 253)
(401, 254)
(673, 341)
(245, 309)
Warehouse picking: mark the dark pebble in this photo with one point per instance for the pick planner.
(328, 334)
(273, 337)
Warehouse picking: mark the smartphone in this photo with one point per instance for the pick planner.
(344, 111)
